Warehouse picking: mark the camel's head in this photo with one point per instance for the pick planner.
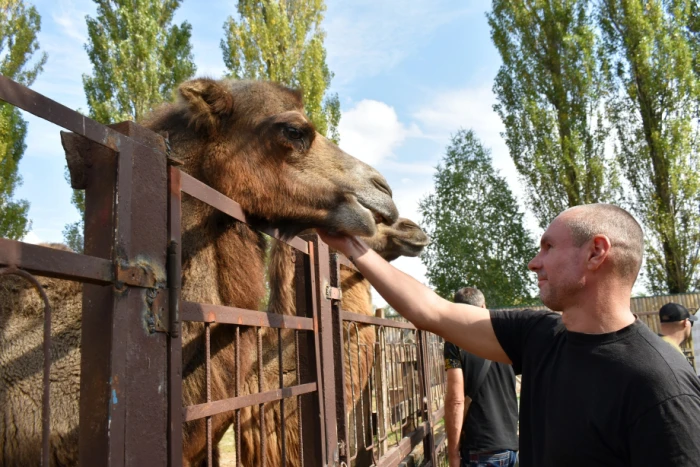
(403, 238)
(252, 141)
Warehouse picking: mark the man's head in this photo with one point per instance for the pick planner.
(470, 296)
(585, 245)
(676, 320)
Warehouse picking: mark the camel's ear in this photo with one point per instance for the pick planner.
(208, 100)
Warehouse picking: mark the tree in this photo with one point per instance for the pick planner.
(138, 58)
(476, 228)
(550, 98)
(19, 26)
(653, 106)
(282, 41)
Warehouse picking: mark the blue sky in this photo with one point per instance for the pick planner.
(409, 74)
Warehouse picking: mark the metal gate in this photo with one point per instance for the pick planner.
(131, 407)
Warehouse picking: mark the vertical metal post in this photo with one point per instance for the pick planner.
(339, 352)
(312, 435)
(123, 360)
(175, 340)
(322, 278)
(429, 440)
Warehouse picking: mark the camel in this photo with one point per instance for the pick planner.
(404, 238)
(252, 142)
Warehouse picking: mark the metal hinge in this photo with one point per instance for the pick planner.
(333, 293)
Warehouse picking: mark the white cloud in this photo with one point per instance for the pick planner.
(31, 237)
(370, 131)
(367, 37)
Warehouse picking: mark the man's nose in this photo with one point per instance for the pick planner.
(534, 265)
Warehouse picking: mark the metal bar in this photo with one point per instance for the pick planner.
(174, 266)
(46, 344)
(207, 363)
(261, 406)
(404, 447)
(314, 359)
(205, 313)
(195, 412)
(339, 352)
(343, 261)
(237, 413)
(98, 307)
(298, 372)
(50, 262)
(325, 320)
(281, 385)
(47, 109)
(428, 441)
(223, 203)
(390, 323)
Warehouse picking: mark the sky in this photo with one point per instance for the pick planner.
(409, 75)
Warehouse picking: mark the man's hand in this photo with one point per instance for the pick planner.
(350, 246)
(455, 460)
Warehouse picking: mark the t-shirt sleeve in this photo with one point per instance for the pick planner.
(667, 434)
(513, 329)
(452, 357)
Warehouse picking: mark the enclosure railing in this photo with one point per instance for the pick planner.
(131, 395)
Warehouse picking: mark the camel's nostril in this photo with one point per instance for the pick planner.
(382, 185)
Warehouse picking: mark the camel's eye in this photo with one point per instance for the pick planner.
(293, 133)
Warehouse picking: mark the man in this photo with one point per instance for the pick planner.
(487, 436)
(598, 387)
(676, 324)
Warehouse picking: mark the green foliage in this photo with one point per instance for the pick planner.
(138, 58)
(651, 63)
(19, 26)
(282, 41)
(550, 92)
(476, 229)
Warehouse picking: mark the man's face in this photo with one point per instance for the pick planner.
(560, 267)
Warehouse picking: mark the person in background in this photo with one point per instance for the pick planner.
(676, 324)
(481, 408)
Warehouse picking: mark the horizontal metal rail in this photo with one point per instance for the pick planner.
(50, 262)
(389, 323)
(223, 203)
(343, 261)
(398, 453)
(203, 313)
(195, 412)
(36, 104)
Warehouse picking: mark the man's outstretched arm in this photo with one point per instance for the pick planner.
(466, 326)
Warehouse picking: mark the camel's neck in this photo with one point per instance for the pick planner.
(282, 291)
(357, 295)
(223, 260)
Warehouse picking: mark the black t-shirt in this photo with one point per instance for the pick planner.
(492, 419)
(625, 398)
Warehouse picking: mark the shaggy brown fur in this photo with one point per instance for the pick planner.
(404, 238)
(252, 142)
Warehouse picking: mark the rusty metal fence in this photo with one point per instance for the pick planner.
(131, 408)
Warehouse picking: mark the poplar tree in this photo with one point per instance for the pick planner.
(650, 59)
(550, 99)
(476, 229)
(19, 25)
(282, 41)
(138, 58)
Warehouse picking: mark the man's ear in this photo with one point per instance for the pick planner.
(207, 100)
(599, 251)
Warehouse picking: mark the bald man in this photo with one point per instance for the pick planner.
(598, 387)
